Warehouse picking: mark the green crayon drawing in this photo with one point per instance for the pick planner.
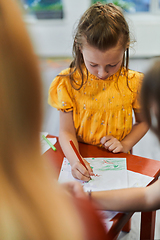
(107, 164)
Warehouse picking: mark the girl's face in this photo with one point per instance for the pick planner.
(102, 64)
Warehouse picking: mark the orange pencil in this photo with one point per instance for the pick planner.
(77, 153)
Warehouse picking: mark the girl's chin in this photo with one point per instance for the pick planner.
(102, 78)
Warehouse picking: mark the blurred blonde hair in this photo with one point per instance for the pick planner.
(32, 204)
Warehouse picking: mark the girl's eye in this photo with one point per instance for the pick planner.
(93, 65)
(113, 65)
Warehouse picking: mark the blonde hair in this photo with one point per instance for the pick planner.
(102, 26)
(32, 204)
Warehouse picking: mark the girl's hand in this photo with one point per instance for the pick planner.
(80, 172)
(75, 189)
(112, 144)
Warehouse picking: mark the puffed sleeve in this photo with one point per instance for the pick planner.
(135, 82)
(60, 93)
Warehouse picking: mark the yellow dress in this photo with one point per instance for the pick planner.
(100, 107)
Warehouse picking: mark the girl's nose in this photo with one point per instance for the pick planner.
(102, 73)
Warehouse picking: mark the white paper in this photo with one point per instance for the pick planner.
(45, 146)
(110, 173)
(43, 133)
(138, 180)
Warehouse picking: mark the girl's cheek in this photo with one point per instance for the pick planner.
(117, 68)
(89, 68)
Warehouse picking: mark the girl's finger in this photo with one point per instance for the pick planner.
(79, 167)
(82, 177)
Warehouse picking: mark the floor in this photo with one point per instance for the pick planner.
(148, 147)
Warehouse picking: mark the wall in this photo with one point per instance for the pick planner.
(146, 29)
(53, 38)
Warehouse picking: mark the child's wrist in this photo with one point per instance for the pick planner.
(125, 146)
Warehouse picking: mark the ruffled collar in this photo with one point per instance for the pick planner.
(121, 72)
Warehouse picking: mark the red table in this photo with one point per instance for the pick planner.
(138, 164)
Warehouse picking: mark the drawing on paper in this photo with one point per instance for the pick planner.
(109, 173)
(104, 164)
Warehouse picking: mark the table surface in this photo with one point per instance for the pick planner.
(135, 163)
(138, 164)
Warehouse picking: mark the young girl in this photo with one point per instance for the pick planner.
(97, 93)
(33, 205)
(138, 199)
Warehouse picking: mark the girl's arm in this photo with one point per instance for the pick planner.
(67, 132)
(139, 129)
(130, 199)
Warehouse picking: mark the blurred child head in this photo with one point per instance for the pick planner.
(20, 85)
(150, 95)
